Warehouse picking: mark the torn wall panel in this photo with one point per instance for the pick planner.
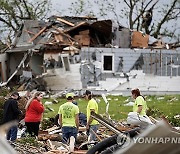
(139, 40)
(62, 79)
(36, 64)
(126, 60)
(121, 37)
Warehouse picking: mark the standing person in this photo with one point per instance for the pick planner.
(11, 112)
(69, 118)
(140, 105)
(34, 110)
(92, 124)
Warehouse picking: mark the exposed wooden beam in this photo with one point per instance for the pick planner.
(66, 22)
(39, 33)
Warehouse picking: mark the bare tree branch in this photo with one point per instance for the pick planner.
(7, 23)
(127, 3)
(155, 34)
(12, 12)
(27, 9)
(143, 10)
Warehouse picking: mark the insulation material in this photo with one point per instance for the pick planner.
(139, 40)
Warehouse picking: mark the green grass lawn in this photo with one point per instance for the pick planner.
(169, 105)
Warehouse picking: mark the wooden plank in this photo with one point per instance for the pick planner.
(63, 33)
(29, 32)
(79, 25)
(96, 135)
(39, 33)
(58, 38)
(80, 152)
(66, 22)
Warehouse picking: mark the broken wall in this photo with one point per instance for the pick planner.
(3, 67)
(60, 79)
(121, 37)
(139, 40)
(14, 60)
(66, 75)
(36, 64)
(122, 61)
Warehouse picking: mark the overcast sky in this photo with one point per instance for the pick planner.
(60, 7)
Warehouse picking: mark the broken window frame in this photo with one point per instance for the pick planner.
(63, 62)
(102, 59)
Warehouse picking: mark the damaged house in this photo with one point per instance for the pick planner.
(82, 52)
(49, 48)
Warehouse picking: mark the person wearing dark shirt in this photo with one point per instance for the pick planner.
(11, 112)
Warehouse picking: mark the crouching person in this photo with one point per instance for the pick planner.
(69, 119)
(138, 116)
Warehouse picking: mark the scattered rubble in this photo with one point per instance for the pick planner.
(109, 135)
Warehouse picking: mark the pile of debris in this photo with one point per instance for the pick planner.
(112, 136)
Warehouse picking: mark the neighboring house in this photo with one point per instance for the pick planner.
(82, 52)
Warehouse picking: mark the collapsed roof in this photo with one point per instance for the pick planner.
(60, 32)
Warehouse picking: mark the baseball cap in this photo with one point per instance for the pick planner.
(70, 95)
(16, 94)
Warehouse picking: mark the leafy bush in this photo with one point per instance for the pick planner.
(4, 91)
(32, 141)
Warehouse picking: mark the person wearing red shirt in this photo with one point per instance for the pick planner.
(34, 111)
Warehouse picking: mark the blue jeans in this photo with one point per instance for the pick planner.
(67, 132)
(93, 129)
(12, 133)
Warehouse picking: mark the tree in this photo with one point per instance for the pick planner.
(81, 7)
(171, 12)
(151, 16)
(13, 12)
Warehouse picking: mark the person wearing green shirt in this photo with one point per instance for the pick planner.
(92, 124)
(140, 105)
(69, 118)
